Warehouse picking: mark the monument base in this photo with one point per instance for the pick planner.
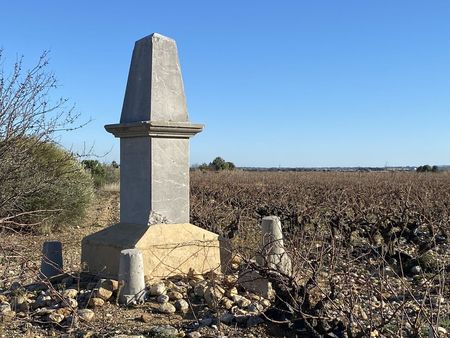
(167, 249)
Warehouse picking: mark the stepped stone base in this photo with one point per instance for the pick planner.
(167, 249)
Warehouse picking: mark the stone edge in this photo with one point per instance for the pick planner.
(154, 129)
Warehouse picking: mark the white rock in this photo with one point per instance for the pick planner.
(442, 330)
(175, 295)
(86, 314)
(416, 270)
(157, 289)
(213, 295)
(5, 307)
(162, 299)
(166, 308)
(232, 292)
(265, 302)
(226, 303)
(56, 317)
(181, 305)
(70, 293)
(163, 331)
(242, 302)
(71, 302)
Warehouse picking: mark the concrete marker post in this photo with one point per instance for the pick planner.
(272, 246)
(131, 277)
(52, 260)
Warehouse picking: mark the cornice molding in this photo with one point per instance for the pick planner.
(164, 129)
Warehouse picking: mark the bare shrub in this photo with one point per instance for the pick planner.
(29, 122)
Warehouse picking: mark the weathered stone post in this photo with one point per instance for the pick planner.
(52, 260)
(273, 253)
(154, 133)
(131, 277)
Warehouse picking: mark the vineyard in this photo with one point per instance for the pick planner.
(370, 250)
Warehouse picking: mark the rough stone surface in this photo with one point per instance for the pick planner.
(86, 314)
(96, 302)
(103, 293)
(181, 305)
(154, 93)
(109, 284)
(163, 331)
(70, 293)
(273, 254)
(175, 295)
(5, 307)
(131, 274)
(155, 86)
(157, 289)
(253, 282)
(55, 317)
(167, 249)
(166, 308)
(162, 299)
(52, 261)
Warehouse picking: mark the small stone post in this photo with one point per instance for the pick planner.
(131, 277)
(52, 261)
(272, 247)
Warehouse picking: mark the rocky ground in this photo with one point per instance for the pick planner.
(84, 306)
(371, 258)
(80, 305)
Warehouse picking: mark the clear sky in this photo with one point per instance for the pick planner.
(277, 83)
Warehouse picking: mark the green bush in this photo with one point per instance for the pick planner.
(102, 173)
(67, 189)
(427, 168)
(218, 164)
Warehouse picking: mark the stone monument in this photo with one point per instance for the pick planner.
(154, 132)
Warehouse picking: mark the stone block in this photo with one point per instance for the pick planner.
(252, 281)
(167, 249)
(52, 260)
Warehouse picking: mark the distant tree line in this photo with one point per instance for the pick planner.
(102, 173)
(218, 164)
(427, 168)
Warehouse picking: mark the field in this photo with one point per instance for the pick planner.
(370, 251)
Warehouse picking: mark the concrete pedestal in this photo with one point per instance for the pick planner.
(167, 249)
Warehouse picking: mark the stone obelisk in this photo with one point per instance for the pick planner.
(154, 136)
(154, 133)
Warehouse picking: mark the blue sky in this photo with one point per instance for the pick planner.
(277, 83)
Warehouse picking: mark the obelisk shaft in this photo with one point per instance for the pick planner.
(154, 133)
